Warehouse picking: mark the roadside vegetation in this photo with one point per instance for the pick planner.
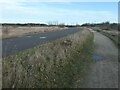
(111, 30)
(50, 65)
(15, 30)
(103, 26)
(10, 30)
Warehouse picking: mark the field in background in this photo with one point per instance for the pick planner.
(14, 31)
(112, 34)
(111, 30)
(54, 64)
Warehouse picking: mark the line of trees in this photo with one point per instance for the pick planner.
(104, 25)
(34, 24)
(26, 24)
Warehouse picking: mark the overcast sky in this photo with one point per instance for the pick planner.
(22, 11)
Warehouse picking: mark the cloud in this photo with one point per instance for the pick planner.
(19, 11)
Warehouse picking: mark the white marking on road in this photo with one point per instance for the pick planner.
(42, 37)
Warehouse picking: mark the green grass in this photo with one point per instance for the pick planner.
(50, 65)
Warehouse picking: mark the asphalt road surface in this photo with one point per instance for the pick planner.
(104, 72)
(11, 45)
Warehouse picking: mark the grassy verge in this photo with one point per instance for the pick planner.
(8, 32)
(50, 65)
(6, 36)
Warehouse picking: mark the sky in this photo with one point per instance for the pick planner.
(22, 11)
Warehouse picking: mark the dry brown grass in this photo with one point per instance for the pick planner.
(12, 31)
(53, 64)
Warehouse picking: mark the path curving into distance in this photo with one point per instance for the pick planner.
(104, 72)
